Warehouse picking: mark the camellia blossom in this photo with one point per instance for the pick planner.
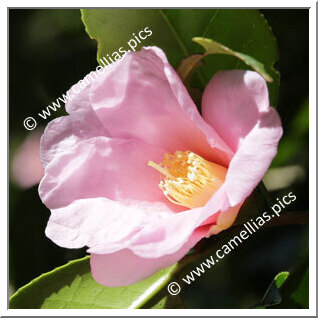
(139, 176)
(26, 166)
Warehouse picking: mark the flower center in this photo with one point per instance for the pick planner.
(189, 180)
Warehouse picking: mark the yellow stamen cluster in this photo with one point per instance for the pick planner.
(189, 180)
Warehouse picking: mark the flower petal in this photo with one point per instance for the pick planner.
(253, 157)
(101, 222)
(175, 229)
(63, 133)
(235, 104)
(141, 96)
(124, 267)
(78, 96)
(245, 171)
(102, 167)
(232, 104)
(224, 221)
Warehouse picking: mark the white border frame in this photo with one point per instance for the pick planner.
(312, 162)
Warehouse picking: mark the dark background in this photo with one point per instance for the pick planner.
(49, 51)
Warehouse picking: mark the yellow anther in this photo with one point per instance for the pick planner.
(189, 180)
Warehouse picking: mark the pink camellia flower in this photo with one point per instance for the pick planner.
(26, 167)
(137, 175)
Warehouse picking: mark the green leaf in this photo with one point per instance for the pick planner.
(295, 292)
(243, 30)
(295, 140)
(167, 302)
(72, 286)
(301, 294)
(213, 47)
(280, 279)
(272, 296)
(114, 28)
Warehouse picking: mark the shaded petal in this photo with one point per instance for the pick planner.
(232, 104)
(141, 96)
(245, 171)
(102, 167)
(254, 157)
(78, 100)
(63, 133)
(175, 229)
(224, 220)
(124, 267)
(235, 103)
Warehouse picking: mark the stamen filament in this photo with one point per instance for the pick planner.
(162, 170)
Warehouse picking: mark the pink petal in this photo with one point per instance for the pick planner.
(245, 171)
(124, 267)
(142, 100)
(232, 104)
(174, 229)
(101, 223)
(253, 157)
(236, 104)
(141, 96)
(101, 167)
(79, 95)
(63, 133)
(27, 170)
(165, 233)
(149, 229)
(224, 220)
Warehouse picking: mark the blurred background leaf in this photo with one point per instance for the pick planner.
(49, 51)
(295, 293)
(301, 293)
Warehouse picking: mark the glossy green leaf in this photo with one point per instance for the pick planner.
(243, 30)
(213, 47)
(272, 296)
(166, 302)
(280, 279)
(72, 286)
(114, 28)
